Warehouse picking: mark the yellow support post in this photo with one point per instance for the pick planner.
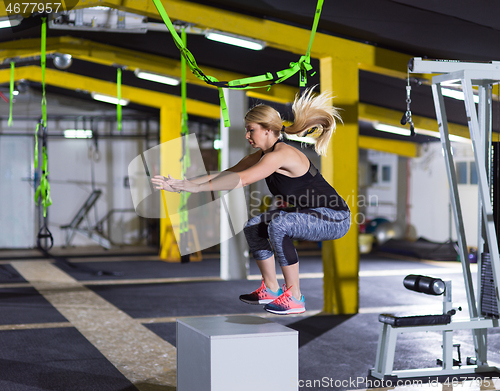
(340, 169)
(171, 153)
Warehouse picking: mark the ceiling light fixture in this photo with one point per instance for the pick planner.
(236, 40)
(77, 133)
(109, 99)
(12, 21)
(456, 94)
(460, 139)
(392, 129)
(452, 137)
(156, 77)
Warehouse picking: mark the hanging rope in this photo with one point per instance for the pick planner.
(119, 96)
(267, 80)
(12, 66)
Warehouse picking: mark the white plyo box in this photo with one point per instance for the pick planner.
(236, 352)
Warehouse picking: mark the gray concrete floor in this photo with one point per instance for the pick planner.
(41, 325)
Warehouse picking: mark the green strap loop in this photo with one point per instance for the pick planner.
(12, 66)
(43, 190)
(119, 96)
(269, 79)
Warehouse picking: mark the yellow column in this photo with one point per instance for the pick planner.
(170, 155)
(340, 169)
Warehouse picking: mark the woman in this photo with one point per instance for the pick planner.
(318, 212)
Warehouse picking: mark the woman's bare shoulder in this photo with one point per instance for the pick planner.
(294, 162)
(288, 151)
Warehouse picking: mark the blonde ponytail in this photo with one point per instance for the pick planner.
(314, 115)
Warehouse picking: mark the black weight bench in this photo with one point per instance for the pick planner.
(416, 320)
(392, 325)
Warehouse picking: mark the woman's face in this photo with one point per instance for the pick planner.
(256, 135)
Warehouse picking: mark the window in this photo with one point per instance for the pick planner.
(386, 173)
(473, 173)
(461, 168)
(374, 173)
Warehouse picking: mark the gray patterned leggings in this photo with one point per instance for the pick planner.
(278, 228)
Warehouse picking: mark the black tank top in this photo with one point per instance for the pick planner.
(310, 190)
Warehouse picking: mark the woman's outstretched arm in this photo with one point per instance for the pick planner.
(229, 180)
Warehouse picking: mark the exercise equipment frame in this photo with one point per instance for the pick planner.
(465, 75)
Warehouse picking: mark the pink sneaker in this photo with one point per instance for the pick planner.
(263, 295)
(286, 304)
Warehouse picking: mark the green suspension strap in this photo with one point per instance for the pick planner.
(306, 64)
(185, 162)
(12, 65)
(189, 58)
(43, 60)
(43, 190)
(303, 66)
(119, 96)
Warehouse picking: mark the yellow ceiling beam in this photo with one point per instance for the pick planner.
(276, 35)
(156, 99)
(83, 83)
(401, 148)
(109, 55)
(383, 115)
(90, 51)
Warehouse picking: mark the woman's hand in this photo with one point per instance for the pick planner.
(183, 185)
(161, 183)
(174, 185)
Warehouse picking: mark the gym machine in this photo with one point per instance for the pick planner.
(483, 305)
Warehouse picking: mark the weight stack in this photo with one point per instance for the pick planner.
(489, 306)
